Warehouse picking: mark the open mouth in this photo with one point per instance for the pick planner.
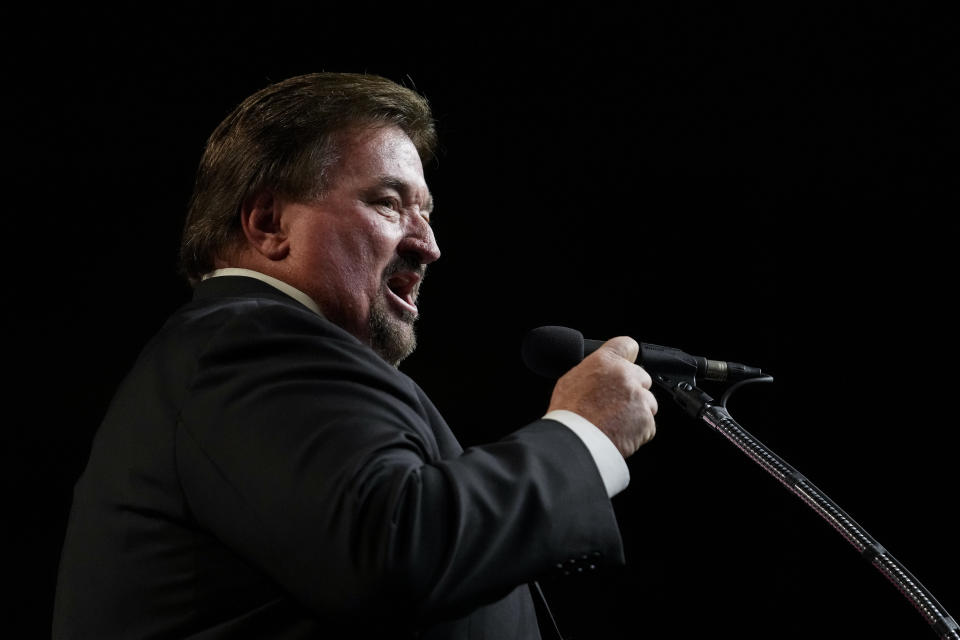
(403, 286)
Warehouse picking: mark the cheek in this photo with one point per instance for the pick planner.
(356, 256)
(379, 246)
(360, 265)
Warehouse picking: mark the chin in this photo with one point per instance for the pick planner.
(391, 337)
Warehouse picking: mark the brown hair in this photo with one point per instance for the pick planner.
(284, 138)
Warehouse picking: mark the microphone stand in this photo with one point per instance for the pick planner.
(699, 405)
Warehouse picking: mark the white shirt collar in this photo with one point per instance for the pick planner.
(293, 292)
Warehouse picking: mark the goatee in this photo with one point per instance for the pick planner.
(393, 338)
(392, 334)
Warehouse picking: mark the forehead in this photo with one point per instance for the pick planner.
(384, 151)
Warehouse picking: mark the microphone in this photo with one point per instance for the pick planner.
(551, 351)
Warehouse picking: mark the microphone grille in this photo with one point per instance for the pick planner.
(551, 351)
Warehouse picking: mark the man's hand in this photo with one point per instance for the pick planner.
(613, 393)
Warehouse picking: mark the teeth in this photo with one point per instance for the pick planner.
(400, 283)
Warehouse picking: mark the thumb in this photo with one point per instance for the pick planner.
(623, 346)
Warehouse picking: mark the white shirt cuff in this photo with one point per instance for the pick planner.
(613, 468)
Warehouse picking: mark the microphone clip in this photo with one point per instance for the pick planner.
(684, 393)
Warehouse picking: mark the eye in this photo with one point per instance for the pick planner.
(388, 203)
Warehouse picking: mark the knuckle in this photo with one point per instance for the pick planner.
(645, 380)
(652, 403)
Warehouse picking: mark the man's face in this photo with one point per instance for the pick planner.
(361, 250)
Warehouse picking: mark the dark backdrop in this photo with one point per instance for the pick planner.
(763, 186)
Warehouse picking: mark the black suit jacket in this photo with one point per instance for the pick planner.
(261, 473)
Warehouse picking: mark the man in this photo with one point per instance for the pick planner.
(266, 471)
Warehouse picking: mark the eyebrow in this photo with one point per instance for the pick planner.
(405, 190)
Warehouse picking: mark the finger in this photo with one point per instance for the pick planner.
(652, 403)
(624, 346)
(645, 380)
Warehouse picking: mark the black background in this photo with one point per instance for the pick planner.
(765, 186)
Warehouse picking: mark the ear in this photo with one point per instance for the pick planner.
(260, 219)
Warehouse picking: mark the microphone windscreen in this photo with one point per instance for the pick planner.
(552, 351)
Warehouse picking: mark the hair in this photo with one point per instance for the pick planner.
(284, 138)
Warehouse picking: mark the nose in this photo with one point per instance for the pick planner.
(419, 241)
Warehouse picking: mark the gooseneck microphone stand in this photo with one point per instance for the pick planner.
(552, 350)
(701, 406)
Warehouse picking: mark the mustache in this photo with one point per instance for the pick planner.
(408, 263)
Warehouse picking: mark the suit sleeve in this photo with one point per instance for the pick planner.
(313, 459)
